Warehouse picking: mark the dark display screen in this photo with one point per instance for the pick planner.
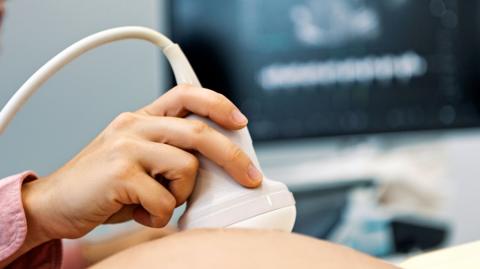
(305, 68)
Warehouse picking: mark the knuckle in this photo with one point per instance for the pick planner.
(121, 168)
(191, 165)
(180, 90)
(198, 127)
(181, 87)
(218, 100)
(123, 145)
(235, 154)
(124, 120)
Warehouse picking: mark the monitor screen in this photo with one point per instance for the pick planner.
(305, 68)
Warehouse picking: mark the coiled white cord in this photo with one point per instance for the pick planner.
(181, 67)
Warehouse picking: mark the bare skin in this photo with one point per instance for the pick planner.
(205, 249)
(94, 252)
(140, 167)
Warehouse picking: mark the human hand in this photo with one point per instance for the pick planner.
(117, 176)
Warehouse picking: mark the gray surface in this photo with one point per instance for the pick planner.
(79, 101)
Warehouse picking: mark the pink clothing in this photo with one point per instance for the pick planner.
(13, 228)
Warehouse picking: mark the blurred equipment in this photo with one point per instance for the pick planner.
(327, 67)
(413, 233)
(349, 213)
(326, 200)
(217, 200)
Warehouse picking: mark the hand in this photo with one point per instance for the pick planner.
(141, 166)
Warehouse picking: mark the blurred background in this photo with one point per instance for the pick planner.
(367, 109)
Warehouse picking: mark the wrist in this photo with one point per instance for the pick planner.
(34, 203)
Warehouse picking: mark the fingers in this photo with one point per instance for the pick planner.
(184, 98)
(196, 135)
(124, 214)
(157, 203)
(177, 166)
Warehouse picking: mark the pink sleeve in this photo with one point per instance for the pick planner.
(13, 228)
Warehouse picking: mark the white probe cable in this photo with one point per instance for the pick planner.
(182, 69)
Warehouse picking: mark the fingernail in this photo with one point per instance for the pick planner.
(254, 174)
(238, 117)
